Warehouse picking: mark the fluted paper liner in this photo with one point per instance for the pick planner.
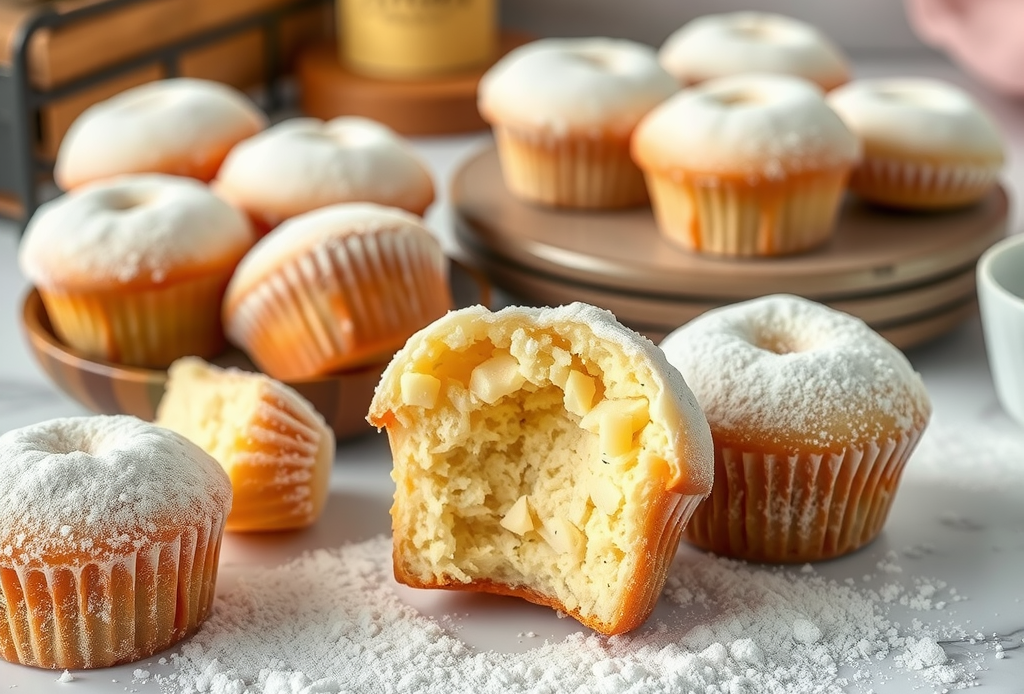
(799, 508)
(732, 217)
(571, 171)
(148, 327)
(341, 305)
(921, 184)
(280, 473)
(74, 616)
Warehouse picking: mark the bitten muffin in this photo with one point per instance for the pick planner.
(132, 269)
(275, 447)
(549, 454)
(182, 126)
(751, 165)
(813, 416)
(302, 164)
(336, 288)
(109, 541)
(563, 111)
(733, 43)
(927, 144)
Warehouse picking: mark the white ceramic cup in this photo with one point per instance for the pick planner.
(1001, 295)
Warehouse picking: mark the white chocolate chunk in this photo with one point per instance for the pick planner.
(563, 536)
(607, 497)
(519, 519)
(615, 422)
(419, 390)
(495, 378)
(579, 393)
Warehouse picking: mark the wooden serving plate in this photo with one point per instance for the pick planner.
(106, 388)
(873, 251)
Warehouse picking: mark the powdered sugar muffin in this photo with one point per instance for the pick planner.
(720, 45)
(302, 164)
(751, 165)
(336, 288)
(109, 540)
(181, 126)
(813, 415)
(927, 143)
(563, 111)
(131, 269)
(275, 447)
(549, 454)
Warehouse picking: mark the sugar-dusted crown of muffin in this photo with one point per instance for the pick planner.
(752, 125)
(85, 489)
(915, 115)
(585, 85)
(786, 369)
(719, 45)
(181, 126)
(133, 229)
(305, 163)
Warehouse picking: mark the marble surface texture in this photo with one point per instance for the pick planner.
(958, 520)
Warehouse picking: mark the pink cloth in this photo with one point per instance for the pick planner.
(985, 36)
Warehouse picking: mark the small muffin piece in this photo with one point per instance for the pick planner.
(549, 454)
(302, 164)
(109, 541)
(336, 288)
(563, 111)
(927, 144)
(181, 126)
(751, 165)
(275, 447)
(132, 269)
(733, 43)
(813, 415)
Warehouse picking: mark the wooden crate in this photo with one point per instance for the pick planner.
(58, 57)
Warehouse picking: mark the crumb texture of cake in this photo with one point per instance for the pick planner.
(109, 541)
(273, 444)
(550, 454)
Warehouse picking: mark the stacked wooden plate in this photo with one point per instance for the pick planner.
(909, 276)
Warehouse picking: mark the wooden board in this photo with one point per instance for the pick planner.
(430, 106)
(873, 251)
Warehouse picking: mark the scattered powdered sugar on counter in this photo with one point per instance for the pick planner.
(331, 622)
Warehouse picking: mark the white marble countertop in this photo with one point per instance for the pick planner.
(957, 523)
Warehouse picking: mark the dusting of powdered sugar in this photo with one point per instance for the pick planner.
(782, 366)
(101, 486)
(333, 621)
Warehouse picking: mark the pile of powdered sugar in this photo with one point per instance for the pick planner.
(332, 621)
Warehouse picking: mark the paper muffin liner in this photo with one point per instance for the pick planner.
(341, 305)
(98, 614)
(733, 217)
(921, 185)
(799, 508)
(570, 171)
(148, 327)
(280, 469)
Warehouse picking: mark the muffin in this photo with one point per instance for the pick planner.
(274, 446)
(751, 165)
(733, 43)
(813, 416)
(109, 541)
(132, 269)
(334, 289)
(563, 111)
(927, 144)
(302, 164)
(182, 127)
(549, 454)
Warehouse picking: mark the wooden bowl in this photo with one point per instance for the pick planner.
(107, 388)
